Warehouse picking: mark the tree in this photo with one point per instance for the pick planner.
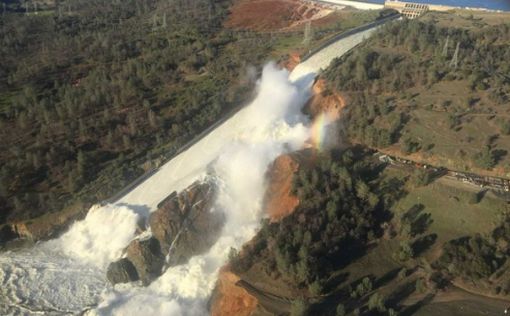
(299, 308)
(505, 127)
(376, 302)
(421, 177)
(340, 310)
(485, 158)
(315, 288)
(82, 164)
(331, 209)
(409, 145)
(405, 251)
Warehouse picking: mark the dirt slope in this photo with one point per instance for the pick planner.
(230, 299)
(273, 15)
(279, 200)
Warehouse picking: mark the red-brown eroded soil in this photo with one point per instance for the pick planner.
(291, 62)
(231, 300)
(324, 101)
(273, 15)
(279, 200)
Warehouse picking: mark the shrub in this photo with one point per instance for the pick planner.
(299, 308)
(376, 302)
(340, 310)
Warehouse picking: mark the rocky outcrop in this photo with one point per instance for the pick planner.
(7, 234)
(121, 271)
(183, 226)
(146, 257)
(44, 227)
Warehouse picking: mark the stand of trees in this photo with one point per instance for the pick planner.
(90, 90)
(414, 55)
(478, 257)
(340, 212)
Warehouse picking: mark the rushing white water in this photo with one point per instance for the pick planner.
(239, 153)
(67, 275)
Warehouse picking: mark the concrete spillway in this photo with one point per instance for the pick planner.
(323, 58)
(175, 175)
(65, 275)
(361, 5)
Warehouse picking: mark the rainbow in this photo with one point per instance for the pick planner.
(318, 131)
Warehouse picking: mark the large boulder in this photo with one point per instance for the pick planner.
(146, 257)
(185, 224)
(121, 271)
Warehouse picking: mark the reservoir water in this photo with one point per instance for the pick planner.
(503, 5)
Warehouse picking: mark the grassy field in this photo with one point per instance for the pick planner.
(452, 211)
(452, 114)
(429, 122)
(452, 214)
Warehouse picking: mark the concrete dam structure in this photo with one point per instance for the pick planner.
(413, 10)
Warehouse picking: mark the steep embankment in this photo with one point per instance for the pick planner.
(230, 299)
(325, 101)
(280, 201)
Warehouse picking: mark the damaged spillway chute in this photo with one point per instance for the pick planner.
(188, 235)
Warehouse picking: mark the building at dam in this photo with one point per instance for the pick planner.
(413, 10)
(410, 10)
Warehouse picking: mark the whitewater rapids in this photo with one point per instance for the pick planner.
(67, 275)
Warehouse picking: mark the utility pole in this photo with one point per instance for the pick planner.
(26, 7)
(154, 22)
(164, 21)
(445, 48)
(455, 59)
(4, 8)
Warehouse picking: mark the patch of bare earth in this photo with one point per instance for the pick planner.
(325, 101)
(230, 299)
(279, 200)
(273, 15)
(291, 62)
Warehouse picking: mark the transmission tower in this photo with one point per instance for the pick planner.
(445, 48)
(163, 23)
(154, 22)
(455, 59)
(307, 37)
